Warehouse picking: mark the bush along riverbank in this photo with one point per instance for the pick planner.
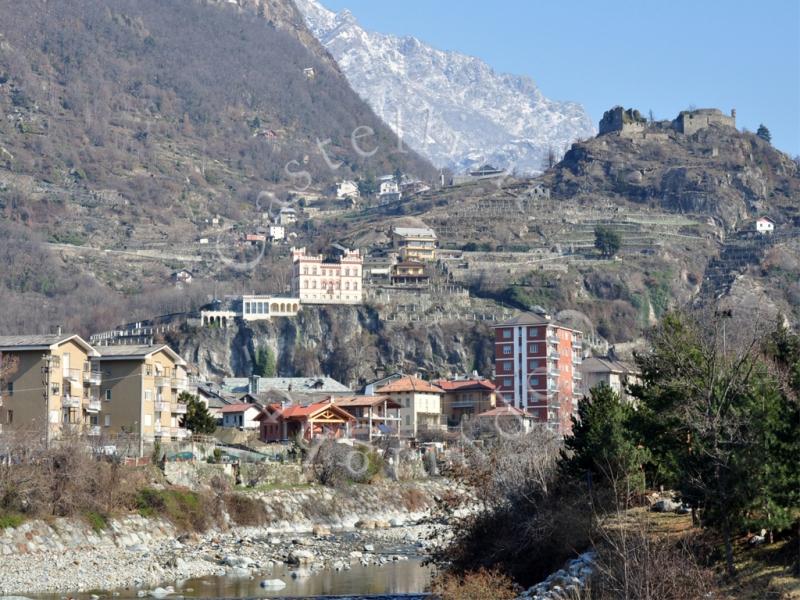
(309, 528)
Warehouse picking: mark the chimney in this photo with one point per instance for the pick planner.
(56, 330)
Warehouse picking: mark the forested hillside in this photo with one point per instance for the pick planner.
(130, 122)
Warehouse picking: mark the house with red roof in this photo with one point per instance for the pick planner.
(240, 416)
(466, 398)
(420, 405)
(310, 422)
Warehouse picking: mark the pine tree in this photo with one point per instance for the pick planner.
(764, 133)
(607, 241)
(601, 444)
(197, 418)
(265, 363)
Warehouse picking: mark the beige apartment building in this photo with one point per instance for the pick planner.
(52, 390)
(140, 390)
(415, 243)
(420, 405)
(317, 280)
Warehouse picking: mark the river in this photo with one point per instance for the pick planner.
(406, 579)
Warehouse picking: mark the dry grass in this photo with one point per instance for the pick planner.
(474, 585)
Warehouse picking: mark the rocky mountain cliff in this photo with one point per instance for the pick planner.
(453, 109)
(347, 343)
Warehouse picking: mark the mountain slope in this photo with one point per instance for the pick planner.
(453, 109)
(127, 124)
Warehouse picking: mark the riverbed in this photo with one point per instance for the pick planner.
(406, 580)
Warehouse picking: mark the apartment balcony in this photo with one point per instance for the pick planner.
(70, 402)
(162, 381)
(92, 377)
(551, 339)
(577, 359)
(73, 375)
(553, 355)
(179, 408)
(576, 375)
(94, 431)
(178, 384)
(161, 406)
(553, 372)
(577, 344)
(94, 405)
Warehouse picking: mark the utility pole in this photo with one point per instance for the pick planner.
(46, 362)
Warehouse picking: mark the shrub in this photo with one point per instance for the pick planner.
(474, 584)
(187, 510)
(11, 520)
(336, 464)
(96, 520)
(246, 510)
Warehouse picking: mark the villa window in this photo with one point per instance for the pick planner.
(108, 395)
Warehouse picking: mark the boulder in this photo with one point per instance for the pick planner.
(273, 584)
(300, 557)
(321, 530)
(665, 505)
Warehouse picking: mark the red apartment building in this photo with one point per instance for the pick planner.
(537, 368)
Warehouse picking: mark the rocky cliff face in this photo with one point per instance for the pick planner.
(718, 171)
(453, 109)
(347, 343)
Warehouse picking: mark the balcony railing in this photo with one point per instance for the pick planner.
(92, 377)
(577, 375)
(178, 383)
(552, 339)
(74, 375)
(161, 406)
(162, 381)
(553, 373)
(70, 402)
(93, 405)
(554, 355)
(179, 408)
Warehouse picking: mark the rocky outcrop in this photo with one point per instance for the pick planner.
(348, 343)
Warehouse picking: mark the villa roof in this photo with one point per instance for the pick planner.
(504, 411)
(356, 401)
(410, 384)
(465, 384)
(238, 408)
(128, 352)
(19, 343)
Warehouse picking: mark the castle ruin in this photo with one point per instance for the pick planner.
(630, 122)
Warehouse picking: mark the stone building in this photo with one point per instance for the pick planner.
(622, 121)
(317, 280)
(691, 121)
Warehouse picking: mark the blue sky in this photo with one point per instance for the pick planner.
(663, 56)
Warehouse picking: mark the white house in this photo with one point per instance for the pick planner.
(388, 186)
(277, 233)
(347, 189)
(765, 225)
(240, 416)
(288, 216)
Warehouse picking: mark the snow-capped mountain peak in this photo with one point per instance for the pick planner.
(452, 108)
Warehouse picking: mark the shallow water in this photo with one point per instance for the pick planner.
(404, 579)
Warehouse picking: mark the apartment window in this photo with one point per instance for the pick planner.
(10, 388)
(506, 334)
(507, 349)
(534, 382)
(148, 370)
(533, 332)
(108, 395)
(508, 382)
(305, 270)
(533, 365)
(148, 394)
(107, 420)
(408, 420)
(533, 348)
(55, 361)
(56, 389)
(507, 366)
(355, 286)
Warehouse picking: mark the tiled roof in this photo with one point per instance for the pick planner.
(11, 342)
(410, 384)
(137, 351)
(526, 318)
(311, 409)
(464, 384)
(237, 408)
(505, 411)
(415, 232)
(354, 401)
